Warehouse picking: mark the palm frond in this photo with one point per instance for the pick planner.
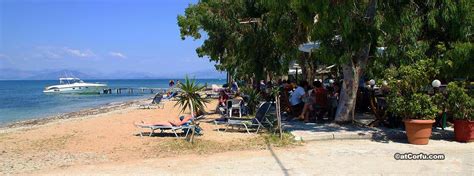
(190, 96)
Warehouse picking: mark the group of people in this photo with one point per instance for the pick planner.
(172, 83)
(301, 101)
(224, 96)
(312, 102)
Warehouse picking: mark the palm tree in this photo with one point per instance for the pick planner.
(190, 98)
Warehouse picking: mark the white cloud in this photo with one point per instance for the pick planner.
(79, 53)
(53, 52)
(3, 56)
(117, 54)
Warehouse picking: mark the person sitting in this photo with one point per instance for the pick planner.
(296, 99)
(223, 97)
(284, 97)
(320, 100)
(182, 121)
(308, 106)
(237, 96)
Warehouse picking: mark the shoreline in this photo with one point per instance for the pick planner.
(82, 113)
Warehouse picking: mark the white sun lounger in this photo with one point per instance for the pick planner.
(162, 128)
(247, 123)
(174, 129)
(257, 122)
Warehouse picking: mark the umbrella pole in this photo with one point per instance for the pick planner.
(296, 75)
(278, 114)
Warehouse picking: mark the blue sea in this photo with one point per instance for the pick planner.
(24, 99)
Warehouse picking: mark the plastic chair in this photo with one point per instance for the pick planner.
(234, 105)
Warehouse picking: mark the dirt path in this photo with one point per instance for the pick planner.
(316, 158)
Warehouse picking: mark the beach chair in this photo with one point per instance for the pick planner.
(155, 103)
(187, 127)
(258, 122)
(171, 96)
(174, 129)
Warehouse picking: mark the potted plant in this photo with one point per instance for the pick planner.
(408, 99)
(190, 98)
(461, 106)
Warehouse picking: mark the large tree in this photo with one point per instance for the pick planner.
(237, 37)
(351, 31)
(347, 33)
(257, 38)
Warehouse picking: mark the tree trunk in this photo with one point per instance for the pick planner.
(347, 100)
(191, 139)
(352, 70)
(305, 68)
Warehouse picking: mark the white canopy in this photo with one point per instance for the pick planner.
(308, 47)
(293, 71)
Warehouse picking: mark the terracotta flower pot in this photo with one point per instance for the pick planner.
(418, 131)
(464, 130)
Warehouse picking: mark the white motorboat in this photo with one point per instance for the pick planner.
(75, 85)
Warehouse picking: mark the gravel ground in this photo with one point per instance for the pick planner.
(346, 157)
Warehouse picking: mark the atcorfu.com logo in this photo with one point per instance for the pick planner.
(418, 156)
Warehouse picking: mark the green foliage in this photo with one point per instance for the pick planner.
(275, 91)
(190, 96)
(408, 95)
(238, 43)
(458, 61)
(274, 139)
(459, 103)
(259, 38)
(414, 30)
(253, 98)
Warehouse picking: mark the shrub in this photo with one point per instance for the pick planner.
(408, 96)
(459, 103)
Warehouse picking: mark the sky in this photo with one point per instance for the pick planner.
(97, 35)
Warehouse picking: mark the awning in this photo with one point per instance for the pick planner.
(308, 47)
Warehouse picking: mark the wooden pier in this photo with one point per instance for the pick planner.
(141, 90)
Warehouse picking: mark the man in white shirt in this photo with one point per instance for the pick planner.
(296, 99)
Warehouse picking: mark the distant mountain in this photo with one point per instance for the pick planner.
(207, 74)
(203, 74)
(42, 75)
(7, 73)
(128, 75)
(15, 74)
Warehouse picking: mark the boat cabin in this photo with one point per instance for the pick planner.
(69, 80)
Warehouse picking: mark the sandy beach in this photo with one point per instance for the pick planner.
(108, 137)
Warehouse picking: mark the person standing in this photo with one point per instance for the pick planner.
(262, 86)
(171, 83)
(178, 83)
(234, 87)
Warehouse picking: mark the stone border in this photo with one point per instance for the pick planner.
(390, 134)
